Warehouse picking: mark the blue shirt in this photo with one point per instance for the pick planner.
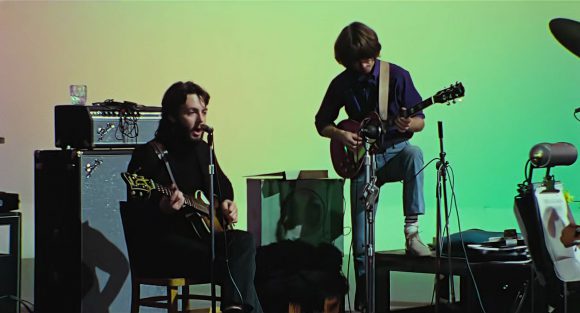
(358, 94)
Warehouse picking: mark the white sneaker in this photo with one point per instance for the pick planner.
(414, 245)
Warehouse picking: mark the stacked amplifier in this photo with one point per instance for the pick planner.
(81, 260)
(107, 125)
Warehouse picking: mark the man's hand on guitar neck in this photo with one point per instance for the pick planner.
(348, 139)
(173, 203)
(230, 210)
(413, 124)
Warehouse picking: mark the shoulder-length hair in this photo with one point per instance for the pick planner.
(171, 103)
(355, 42)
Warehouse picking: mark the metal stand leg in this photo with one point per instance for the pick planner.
(370, 194)
(441, 193)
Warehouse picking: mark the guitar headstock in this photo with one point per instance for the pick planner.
(138, 186)
(450, 94)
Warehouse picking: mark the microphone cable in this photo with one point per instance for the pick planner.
(226, 243)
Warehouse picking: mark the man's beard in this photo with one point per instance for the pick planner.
(183, 135)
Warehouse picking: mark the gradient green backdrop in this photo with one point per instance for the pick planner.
(267, 66)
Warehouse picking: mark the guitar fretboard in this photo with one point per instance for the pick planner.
(418, 107)
(189, 200)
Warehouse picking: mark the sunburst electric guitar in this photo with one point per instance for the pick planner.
(347, 163)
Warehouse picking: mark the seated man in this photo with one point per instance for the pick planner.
(356, 89)
(178, 240)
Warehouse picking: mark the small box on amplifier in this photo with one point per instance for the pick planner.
(104, 126)
(8, 202)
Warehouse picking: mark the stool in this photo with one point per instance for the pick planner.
(169, 301)
(331, 305)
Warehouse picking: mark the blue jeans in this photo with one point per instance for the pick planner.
(399, 162)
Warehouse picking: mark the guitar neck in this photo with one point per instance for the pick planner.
(419, 107)
(189, 200)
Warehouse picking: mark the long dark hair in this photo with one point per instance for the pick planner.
(172, 101)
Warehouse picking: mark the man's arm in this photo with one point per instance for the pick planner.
(410, 96)
(351, 140)
(327, 114)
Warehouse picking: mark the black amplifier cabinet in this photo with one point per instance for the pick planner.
(8, 201)
(81, 260)
(10, 262)
(88, 127)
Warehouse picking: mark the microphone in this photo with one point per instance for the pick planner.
(553, 154)
(206, 128)
(371, 131)
(577, 110)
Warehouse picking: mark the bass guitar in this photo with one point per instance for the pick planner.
(347, 163)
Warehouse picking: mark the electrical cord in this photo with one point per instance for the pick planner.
(343, 213)
(127, 126)
(226, 243)
(526, 171)
(128, 118)
(349, 252)
(454, 202)
(26, 304)
(447, 235)
(348, 276)
(425, 166)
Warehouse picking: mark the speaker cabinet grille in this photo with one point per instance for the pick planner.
(81, 262)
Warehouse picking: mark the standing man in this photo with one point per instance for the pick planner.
(357, 48)
(179, 243)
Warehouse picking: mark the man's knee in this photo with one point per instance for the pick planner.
(413, 153)
(412, 161)
(243, 240)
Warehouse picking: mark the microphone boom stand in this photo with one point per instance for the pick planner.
(441, 192)
(369, 197)
(212, 219)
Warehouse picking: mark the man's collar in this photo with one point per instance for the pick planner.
(376, 69)
(373, 76)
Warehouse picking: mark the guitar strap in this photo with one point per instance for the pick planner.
(161, 153)
(384, 90)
